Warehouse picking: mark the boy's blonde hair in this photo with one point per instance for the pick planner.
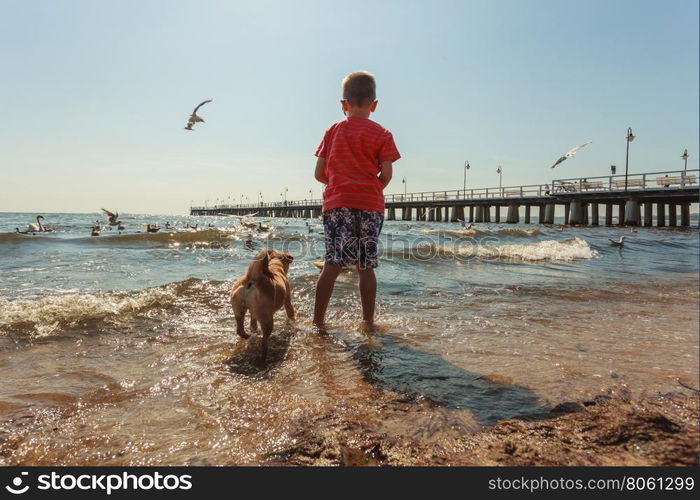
(359, 88)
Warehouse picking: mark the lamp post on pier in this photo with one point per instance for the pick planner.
(630, 138)
(685, 167)
(499, 171)
(404, 188)
(466, 167)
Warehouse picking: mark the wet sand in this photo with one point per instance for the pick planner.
(605, 431)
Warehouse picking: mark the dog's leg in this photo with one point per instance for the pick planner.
(239, 310)
(266, 326)
(253, 324)
(288, 305)
(240, 326)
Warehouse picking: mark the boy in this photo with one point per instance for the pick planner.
(355, 161)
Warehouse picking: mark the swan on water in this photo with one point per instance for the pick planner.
(38, 227)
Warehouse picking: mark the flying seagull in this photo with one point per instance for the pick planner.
(570, 153)
(112, 217)
(618, 244)
(194, 117)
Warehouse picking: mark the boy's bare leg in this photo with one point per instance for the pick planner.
(368, 294)
(324, 290)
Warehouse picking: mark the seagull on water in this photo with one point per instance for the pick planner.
(618, 244)
(570, 153)
(194, 117)
(112, 217)
(464, 224)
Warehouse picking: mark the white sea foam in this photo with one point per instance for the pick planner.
(473, 232)
(42, 317)
(549, 250)
(569, 250)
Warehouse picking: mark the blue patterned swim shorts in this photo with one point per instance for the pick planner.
(352, 236)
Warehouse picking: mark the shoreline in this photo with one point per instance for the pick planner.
(606, 431)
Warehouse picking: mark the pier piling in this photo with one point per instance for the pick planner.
(621, 214)
(608, 214)
(595, 218)
(648, 207)
(660, 215)
(685, 214)
(672, 221)
(479, 216)
(513, 215)
(632, 214)
(549, 213)
(575, 213)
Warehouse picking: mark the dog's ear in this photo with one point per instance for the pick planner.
(284, 257)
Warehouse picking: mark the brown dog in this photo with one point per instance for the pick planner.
(263, 290)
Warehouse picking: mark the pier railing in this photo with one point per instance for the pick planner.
(671, 179)
(665, 180)
(469, 194)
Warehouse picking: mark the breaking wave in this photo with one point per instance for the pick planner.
(549, 250)
(48, 316)
(461, 233)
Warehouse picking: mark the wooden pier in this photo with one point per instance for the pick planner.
(630, 200)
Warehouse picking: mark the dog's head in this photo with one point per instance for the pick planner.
(283, 257)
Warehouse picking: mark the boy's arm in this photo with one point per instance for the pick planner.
(385, 172)
(320, 173)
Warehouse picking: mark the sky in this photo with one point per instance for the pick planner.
(96, 94)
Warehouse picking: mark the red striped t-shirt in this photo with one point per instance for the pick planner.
(353, 149)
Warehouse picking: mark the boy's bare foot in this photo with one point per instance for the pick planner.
(319, 327)
(368, 327)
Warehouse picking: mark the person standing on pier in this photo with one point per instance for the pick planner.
(355, 161)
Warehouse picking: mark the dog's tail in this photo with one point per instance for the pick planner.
(259, 267)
